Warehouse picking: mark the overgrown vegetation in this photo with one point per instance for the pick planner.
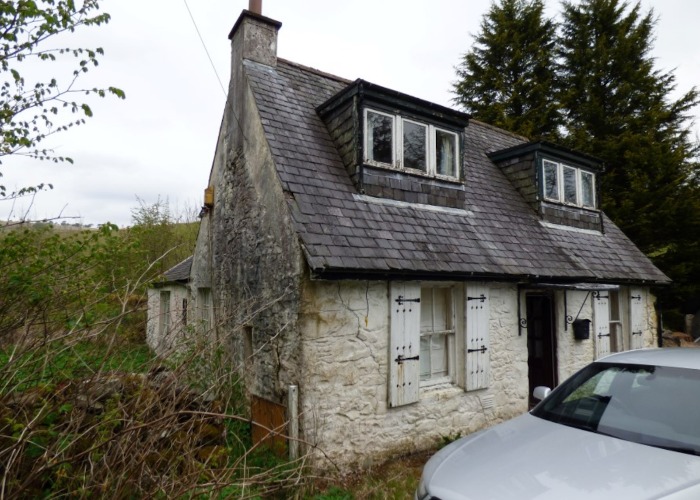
(85, 408)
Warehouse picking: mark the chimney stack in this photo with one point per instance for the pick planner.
(255, 6)
(254, 36)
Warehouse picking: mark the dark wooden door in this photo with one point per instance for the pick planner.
(541, 345)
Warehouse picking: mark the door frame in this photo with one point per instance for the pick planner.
(548, 298)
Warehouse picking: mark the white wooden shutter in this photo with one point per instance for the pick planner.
(601, 320)
(637, 318)
(477, 355)
(404, 346)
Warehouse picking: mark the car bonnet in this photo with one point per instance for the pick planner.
(532, 458)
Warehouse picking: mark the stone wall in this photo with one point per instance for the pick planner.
(345, 333)
(572, 355)
(255, 256)
(343, 389)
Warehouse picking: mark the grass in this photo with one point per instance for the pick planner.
(396, 479)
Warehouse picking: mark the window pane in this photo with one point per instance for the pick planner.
(443, 309)
(425, 366)
(380, 129)
(414, 145)
(436, 331)
(438, 356)
(551, 180)
(426, 310)
(446, 153)
(570, 185)
(587, 198)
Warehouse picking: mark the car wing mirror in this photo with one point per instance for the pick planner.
(541, 392)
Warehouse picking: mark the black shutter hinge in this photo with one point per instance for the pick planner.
(480, 298)
(401, 358)
(481, 349)
(401, 300)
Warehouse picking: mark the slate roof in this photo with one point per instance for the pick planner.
(179, 272)
(343, 234)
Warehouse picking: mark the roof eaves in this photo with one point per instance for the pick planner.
(548, 148)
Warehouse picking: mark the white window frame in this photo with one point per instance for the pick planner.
(561, 193)
(449, 334)
(367, 142)
(616, 318)
(398, 149)
(399, 153)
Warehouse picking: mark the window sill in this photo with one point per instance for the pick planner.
(440, 388)
(570, 205)
(414, 172)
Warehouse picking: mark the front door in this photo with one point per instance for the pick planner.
(541, 346)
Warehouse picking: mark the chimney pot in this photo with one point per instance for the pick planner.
(255, 6)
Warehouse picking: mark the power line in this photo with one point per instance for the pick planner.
(205, 47)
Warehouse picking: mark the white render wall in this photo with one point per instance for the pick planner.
(164, 344)
(343, 391)
(345, 351)
(572, 355)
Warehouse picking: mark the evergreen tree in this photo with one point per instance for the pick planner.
(593, 83)
(507, 79)
(617, 107)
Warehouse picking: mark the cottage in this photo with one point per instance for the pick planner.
(168, 307)
(406, 272)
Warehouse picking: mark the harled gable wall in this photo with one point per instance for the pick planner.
(256, 260)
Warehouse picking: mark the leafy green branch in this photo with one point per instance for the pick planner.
(32, 109)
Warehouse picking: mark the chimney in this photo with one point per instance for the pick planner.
(254, 36)
(255, 6)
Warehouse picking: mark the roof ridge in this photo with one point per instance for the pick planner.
(498, 129)
(314, 70)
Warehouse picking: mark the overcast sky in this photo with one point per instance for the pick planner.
(159, 142)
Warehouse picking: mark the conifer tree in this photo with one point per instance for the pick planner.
(617, 106)
(507, 79)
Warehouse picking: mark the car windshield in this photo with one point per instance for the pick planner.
(651, 405)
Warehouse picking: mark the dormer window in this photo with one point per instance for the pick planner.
(567, 184)
(395, 141)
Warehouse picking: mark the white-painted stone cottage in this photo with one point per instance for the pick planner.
(410, 273)
(168, 308)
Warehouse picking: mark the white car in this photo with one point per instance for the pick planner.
(624, 427)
